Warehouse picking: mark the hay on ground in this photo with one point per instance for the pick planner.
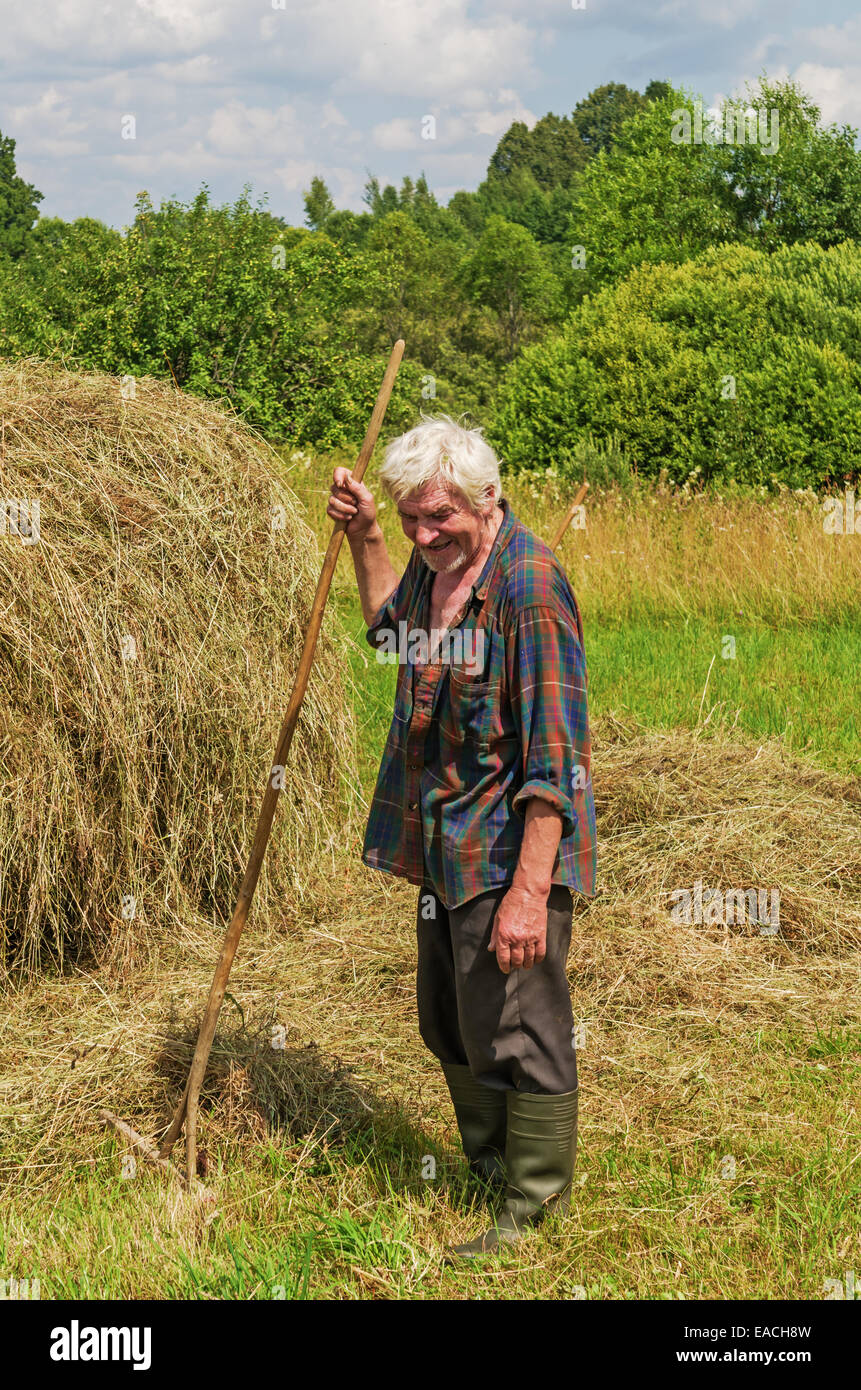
(676, 808)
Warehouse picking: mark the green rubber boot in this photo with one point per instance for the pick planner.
(539, 1158)
(481, 1118)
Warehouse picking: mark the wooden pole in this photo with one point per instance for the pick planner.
(186, 1111)
(569, 515)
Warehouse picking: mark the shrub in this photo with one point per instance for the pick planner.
(737, 365)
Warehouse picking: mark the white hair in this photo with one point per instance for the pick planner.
(441, 450)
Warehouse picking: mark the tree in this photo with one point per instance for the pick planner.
(508, 275)
(808, 187)
(656, 91)
(318, 205)
(224, 299)
(599, 117)
(438, 223)
(380, 201)
(672, 184)
(349, 228)
(18, 202)
(533, 174)
(469, 211)
(646, 198)
(62, 260)
(558, 148)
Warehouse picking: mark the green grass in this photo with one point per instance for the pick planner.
(799, 682)
(651, 1219)
(373, 690)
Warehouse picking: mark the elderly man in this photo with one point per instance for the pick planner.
(484, 799)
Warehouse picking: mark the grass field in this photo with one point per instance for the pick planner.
(719, 1124)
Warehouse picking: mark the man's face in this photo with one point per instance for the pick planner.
(448, 535)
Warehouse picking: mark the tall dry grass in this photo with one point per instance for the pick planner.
(652, 553)
(648, 552)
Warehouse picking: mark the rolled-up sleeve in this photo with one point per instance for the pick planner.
(396, 606)
(548, 699)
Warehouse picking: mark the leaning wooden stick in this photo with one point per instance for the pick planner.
(148, 1151)
(186, 1111)
(569, 516)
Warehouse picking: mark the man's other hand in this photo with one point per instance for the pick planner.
(519, 935)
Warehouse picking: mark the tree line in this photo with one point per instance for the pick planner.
(630, 287)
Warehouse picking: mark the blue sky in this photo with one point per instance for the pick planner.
(229, 92)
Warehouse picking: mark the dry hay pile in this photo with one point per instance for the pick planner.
(151, 624)
(659, 1000)
(675, 807)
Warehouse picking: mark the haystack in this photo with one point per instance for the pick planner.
(154, 603)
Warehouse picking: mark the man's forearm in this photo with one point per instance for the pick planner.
(540, 845)
(375, 575)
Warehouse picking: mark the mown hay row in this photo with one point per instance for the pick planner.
(677, 808)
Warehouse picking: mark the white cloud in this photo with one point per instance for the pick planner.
(726, 15)
(425, 49)
(332, 116)
(54, 131)
(193, 159)
(398, 134)
(296, 175)
(233, 91)
(831, 72)
(838, 43)
(346, 185)
(496, 123)
(835, 90)
(113, 30)
(202, 68)
(236, 130)
(453, 126)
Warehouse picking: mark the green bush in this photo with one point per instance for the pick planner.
(605, 466)
(736, 365)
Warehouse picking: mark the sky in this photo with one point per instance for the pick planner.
(106, 98)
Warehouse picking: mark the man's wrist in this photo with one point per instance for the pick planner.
(372, 536)
(539, 850)
(535, 885)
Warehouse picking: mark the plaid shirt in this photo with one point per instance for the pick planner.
(469, 745)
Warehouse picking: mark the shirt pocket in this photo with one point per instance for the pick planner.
(467, 715)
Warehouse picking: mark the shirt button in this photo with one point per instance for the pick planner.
(414, 805)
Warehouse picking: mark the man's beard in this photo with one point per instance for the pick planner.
(454, 564)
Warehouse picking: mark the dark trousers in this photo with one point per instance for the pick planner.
(515, 1031)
